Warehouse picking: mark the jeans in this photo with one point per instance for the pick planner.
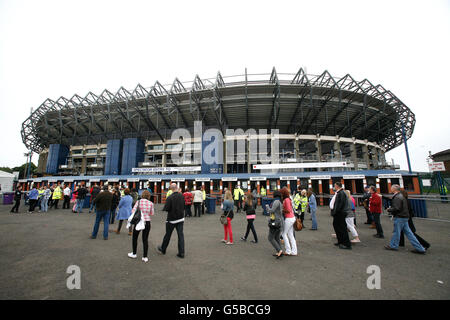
(44, 205)
(169, 230)
(93, 206)
(187, 210)
(421, 240)
(145, 235)
(351, 226)
(99, 216)
(288, 236)
(228, 230)
(369, 217)
(274, 238)
(314, 219)
(250, 226)
(377, 219)
(80, 205)
(401, 224)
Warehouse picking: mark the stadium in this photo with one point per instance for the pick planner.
(327, 129)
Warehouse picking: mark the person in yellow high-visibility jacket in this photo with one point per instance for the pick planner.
(204, 200)
(303, 204)
(263, 192)
(238, 195)
(57, 195)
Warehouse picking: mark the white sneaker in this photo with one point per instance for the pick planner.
(145, 259)
(132, 256)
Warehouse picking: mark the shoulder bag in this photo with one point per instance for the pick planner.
(223, 218)
(137, 215)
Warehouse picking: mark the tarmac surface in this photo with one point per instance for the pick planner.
(36, 250)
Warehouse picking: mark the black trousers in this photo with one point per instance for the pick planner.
(197, 211)
(120, 226)
(302, 216)
(250, 226)
(66, 203)
(203, 207)
(145, 234)
(16, 206)
(237, 203)
(377, 219)
(55, 203)
(421, 240)
(33, 204)
(113, 214)
(340, 227)
(169, 230)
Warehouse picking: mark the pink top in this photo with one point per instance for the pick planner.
(146, 207)
(287, 205)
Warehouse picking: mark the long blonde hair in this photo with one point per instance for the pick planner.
(228, 195)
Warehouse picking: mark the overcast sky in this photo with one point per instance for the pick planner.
(50, 49)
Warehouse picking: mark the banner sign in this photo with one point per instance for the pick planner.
(203, 179)
(165, 169)
(230, 179)
(288, 178)
(113, 180)
(353, 176)
(323, 177)
(177, 179)
(258, 178)
(436, 166)
(94, 180)
(389, 176)
(133, 179)
(154, 180)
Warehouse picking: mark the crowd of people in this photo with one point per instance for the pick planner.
(286, 213)
(287, 210)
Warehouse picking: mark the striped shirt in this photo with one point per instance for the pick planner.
(147, 209)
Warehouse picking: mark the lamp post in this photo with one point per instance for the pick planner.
(28, 164)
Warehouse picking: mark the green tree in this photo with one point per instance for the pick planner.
(6, 169)
(22, 172)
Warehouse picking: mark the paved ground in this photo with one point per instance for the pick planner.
(35, 251)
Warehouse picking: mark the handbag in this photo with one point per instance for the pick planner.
(274, 223)
(137, 215)
(298, 226)
(223, 218)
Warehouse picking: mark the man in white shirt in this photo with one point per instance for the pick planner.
(67, 192)
(198, 199)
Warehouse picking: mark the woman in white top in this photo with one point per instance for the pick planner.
(147, 210)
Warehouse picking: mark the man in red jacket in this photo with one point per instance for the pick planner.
(376, 210)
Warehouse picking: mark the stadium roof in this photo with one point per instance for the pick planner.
(293, 103)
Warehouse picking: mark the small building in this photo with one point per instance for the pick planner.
(6, 181)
